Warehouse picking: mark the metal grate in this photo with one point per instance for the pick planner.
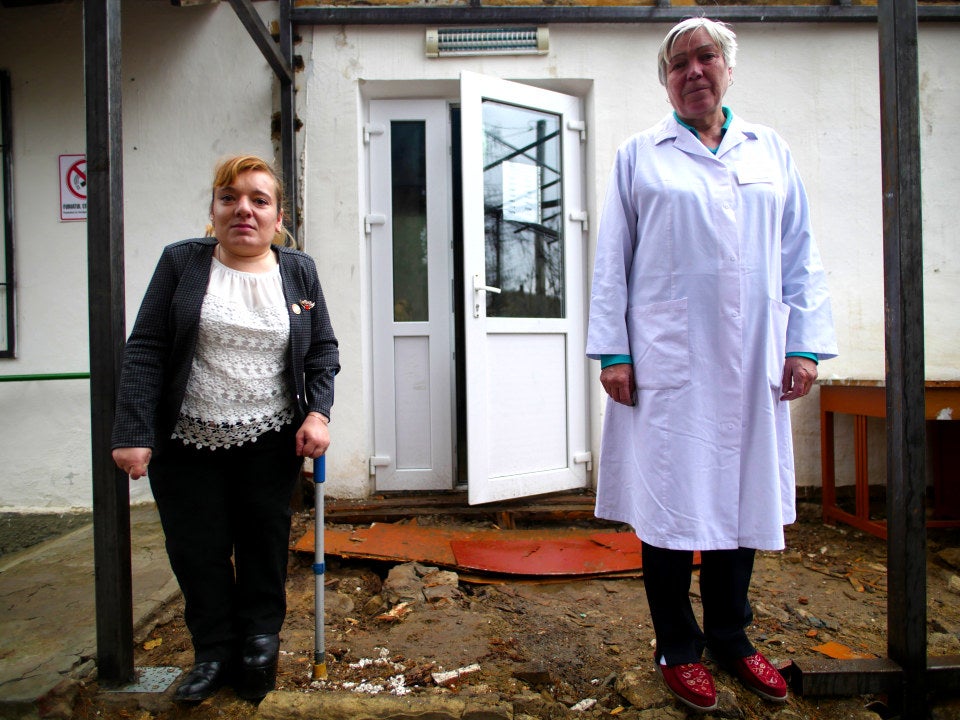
(457, 42)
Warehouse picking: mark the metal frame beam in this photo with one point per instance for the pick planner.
(111, 492)
(903, 300)
(907, 674)
(543, 14)
(280, 58)
(8, 279)
(288, 124)
(261, 36)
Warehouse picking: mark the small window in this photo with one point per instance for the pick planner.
(7, 308)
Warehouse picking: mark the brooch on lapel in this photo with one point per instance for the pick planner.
(305, 304)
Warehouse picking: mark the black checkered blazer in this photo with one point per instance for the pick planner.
(159, 351)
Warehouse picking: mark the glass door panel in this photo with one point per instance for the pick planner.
(523, 211)
(409, 199)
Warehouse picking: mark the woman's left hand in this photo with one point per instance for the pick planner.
(313, 437)
(799, 374)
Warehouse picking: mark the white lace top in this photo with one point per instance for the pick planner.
(237, 390)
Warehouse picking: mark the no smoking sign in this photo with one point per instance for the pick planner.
(73, 187)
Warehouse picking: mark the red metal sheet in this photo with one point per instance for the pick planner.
(596, 554)
(539, 552)
(542, 551)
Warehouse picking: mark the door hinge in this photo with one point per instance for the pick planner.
(582, 218)
(370, 129)
(580, 126)
(378, 461)
(372, 219)
(584, 457)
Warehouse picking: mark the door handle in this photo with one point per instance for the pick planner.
(480, 287)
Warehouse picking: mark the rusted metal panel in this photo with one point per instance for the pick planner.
(567, 552)
(593, 555)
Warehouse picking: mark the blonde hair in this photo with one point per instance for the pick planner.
(226, 173)
(721, 34)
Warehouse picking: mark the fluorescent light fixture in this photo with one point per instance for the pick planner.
(454, 42)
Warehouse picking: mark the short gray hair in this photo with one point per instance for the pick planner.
(721, 33)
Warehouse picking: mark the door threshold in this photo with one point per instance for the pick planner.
(392, 507)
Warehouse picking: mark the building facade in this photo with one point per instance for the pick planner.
(451, 202)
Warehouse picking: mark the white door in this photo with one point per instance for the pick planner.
(524, 249)
(411, 267)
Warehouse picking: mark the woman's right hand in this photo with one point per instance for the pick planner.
(618, 381)
(133, 461)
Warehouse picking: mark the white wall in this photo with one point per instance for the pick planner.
(824, 102)
(195, 88)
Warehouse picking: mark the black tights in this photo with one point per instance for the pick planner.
(226, 517)
(724, 583)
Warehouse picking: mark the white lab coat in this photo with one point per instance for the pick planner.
(706, 274)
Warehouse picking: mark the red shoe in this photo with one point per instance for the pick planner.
(757, 674)
(690, 683)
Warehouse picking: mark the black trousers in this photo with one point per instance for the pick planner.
(724, 584)
(226, 518)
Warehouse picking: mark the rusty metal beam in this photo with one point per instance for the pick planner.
(813, 677)
(288, 124)
(280, 58)
(827, 677)
(258, 32)
(903, 301)
(543, 14)
(113, 584)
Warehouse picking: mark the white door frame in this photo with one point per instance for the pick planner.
(412, 361)
(526, 377)
(526, 381)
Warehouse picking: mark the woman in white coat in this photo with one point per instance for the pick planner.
(709, 312)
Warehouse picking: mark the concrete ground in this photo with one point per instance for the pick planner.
(48, 633)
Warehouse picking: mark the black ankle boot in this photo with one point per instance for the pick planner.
(258, 670)
(201, 682)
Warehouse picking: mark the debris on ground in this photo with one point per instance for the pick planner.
(417, 638)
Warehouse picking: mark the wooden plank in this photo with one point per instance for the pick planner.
(559, 508)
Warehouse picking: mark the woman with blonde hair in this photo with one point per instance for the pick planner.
(227, 384)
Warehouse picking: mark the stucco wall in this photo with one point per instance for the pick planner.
(195, 88)
(825, 103)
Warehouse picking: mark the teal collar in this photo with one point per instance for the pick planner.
(727, 115)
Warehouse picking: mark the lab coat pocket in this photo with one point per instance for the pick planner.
(777, 316)
(660, 344)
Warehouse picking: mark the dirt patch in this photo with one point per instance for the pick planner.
(568, 641)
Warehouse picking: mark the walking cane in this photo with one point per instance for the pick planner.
(319, 568)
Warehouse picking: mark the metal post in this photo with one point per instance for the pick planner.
(903, 291)
(111, 495)
(288, 123)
